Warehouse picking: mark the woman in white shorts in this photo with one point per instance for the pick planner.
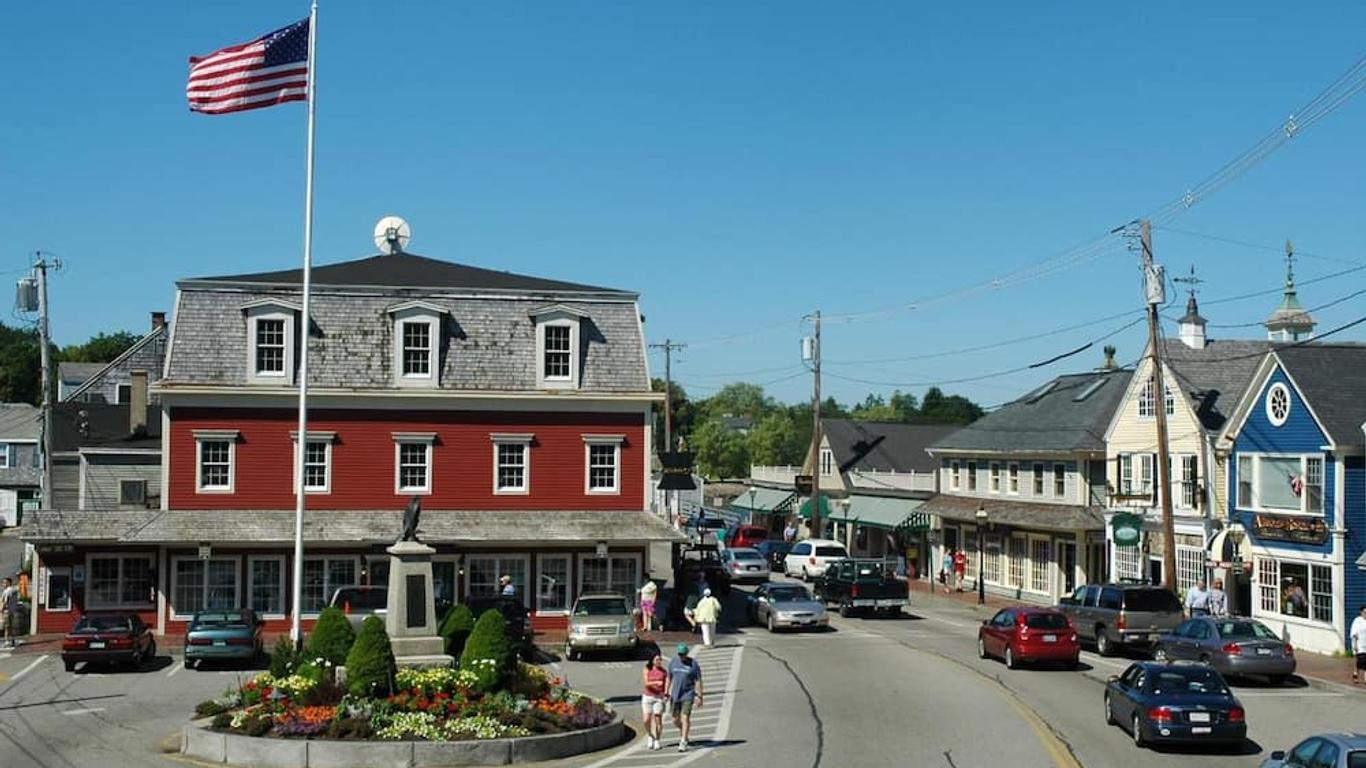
(655, 694)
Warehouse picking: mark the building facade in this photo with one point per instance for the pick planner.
(21, 465)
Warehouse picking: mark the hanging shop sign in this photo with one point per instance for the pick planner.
(677, 471)
(1291, 528)
(1126, 529)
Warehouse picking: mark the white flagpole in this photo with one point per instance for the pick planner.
(301, 445)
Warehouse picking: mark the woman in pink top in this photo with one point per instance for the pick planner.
(655, 680)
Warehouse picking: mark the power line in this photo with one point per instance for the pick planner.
(1257, 246)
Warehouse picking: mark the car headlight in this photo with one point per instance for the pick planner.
(578, 630)
(628, 626)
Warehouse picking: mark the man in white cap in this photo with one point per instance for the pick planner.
(706, 614)
(508, 589)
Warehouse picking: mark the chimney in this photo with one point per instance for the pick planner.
(137, 403)
(158, 320)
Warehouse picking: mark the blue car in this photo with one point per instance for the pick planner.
(231, 635)
(1175, 703)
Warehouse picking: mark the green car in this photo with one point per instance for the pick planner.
(223, 635)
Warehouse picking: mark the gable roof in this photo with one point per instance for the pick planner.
(101, 425)
(103, 369)
(1053, 418)
(1214, 378)
(20, 421)
(72, 371)
(1332, 378)
(407, 270)
(881, 446)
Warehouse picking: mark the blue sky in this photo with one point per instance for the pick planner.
(739, 164)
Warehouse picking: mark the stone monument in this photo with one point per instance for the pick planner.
(410, 618)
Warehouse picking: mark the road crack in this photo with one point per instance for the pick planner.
(948, 758)
(810, 702)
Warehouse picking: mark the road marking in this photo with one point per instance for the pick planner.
(29, 668)
(83, 711)
(174, 668)
(1091, 658)
(1296, 694)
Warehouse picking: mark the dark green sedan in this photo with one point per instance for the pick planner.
(223, 635)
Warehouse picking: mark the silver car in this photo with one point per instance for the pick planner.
(786, 606)
(744, 564)
(1330, 750)
(601, 622)
(1234, 646)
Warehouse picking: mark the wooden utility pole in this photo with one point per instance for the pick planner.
(1155, 290)
(40, 267)
(668, 346)
(816, 529)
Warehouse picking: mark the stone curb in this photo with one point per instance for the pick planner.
(198, 742)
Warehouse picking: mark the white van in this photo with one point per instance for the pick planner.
(810, 557)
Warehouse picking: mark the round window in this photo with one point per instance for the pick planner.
(1277, 404)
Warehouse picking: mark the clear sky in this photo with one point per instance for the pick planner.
(738, 164)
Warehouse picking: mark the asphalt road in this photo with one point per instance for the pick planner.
(870, 692)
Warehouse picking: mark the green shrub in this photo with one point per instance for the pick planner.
(370, 665)
(331, 638)
(222, 721)
(488, 654)
(455, 628)
(282, 657)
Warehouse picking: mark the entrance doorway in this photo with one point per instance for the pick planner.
(1067, 563)
(1095, 564)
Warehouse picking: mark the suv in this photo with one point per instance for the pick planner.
(808, 559)
(1113, 615)
(601, 622)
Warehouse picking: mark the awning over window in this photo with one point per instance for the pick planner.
(765, 501)
(1223, 551)
(885, 512)
(827, 511)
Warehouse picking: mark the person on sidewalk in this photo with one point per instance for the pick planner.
(9, 610)
(707, 613)
(1358, 635)
(649, 592)
(685, 692)
(960, 569)
(1197, 600)
(508, 588)
(655, 682)
(1218, 600)
(946, 573)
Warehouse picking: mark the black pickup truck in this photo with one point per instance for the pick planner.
(857, 586)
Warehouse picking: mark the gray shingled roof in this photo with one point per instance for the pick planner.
(407, 270)
(1062, 517)
(1332, 378)
(1048, 418)
(877, 446)
(349, 527)
(72, 371)
(20, 421)
(1214, 378)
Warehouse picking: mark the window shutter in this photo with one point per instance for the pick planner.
(1154, 477)
(1195, 481)
(1119, 475)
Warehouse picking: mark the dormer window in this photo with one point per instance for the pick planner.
(558, 338)
(417, 344)
(270, 330)
(558, 349)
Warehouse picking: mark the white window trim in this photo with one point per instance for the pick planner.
(328, 589)
(202, 436)
(972, 476)
(1256, 506)
(1271, 391)
(588, 442)
(412, 438)
(176, 615)
(270, 310)
(1306, 621)
(1030, 566)
(994, 477)
(93, 605)
(283, 584)
(1013, 478)
(5, 460)
(523, 440)
(327, 439)
(525, 559)
(954, 483)
(48, 573)
(569, 594)
(586, 556)
(573, 322)
(1053, 479)
(1037, 481)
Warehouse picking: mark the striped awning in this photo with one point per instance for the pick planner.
(1223, 552)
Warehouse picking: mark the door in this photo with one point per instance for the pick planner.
(1067, 562)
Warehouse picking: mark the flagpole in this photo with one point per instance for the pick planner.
(301, 445)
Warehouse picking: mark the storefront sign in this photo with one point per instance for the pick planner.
(1292, 528)
(677, 471)
(803, 484)
(1126, 529)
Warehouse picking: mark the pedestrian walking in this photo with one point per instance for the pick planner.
(9, 610)
(648, 593)
(685, 692)
(707, 613)
(1358, 634)
(690, 610)
(509, 589)
(946, 571)
(655, 692)
(960, 568)
(1218, 599)
(1197, 600)
(790, 532)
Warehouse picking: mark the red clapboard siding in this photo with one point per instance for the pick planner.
(363, 458)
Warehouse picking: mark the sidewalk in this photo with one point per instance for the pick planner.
(1328, 669)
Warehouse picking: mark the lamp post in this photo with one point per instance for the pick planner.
(752, 492)
(981, 517)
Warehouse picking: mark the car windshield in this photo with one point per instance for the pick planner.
(605, 606)
(788, 594)
(1156, 600)
(91, 624)
(221, 619)
(1192, 680)
(1045, 621)
(1244, 630)
(746, 554)
(829, 551)
(361, 598)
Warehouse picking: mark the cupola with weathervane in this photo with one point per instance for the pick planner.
(1290, 321)
(1191, 326)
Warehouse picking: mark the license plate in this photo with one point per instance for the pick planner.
(1263, 651)
(864, 603)
(220, 642)
(1205, 729)
(753, 568)
(1050, 638)
(1199, 717)
(600, 641)
(96, 644)
(1154, 637)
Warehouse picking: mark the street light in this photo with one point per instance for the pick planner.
(981, 554)
(752, 491)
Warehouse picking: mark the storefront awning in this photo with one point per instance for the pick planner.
(1017, 514)
(827, 512)
(765, 501)
(1223, 551)
(878, 511)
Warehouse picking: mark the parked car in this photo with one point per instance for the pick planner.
(108, 638)
(601, 622)
(361, 600)
(786, 606)
(1177, 702)
(745, 535)
(703, 525)
(1115, 615)
(1234, 646)
(861, 585)
(774, 551)
(1329, 750)
(703, 561)
(518, 619)
(744, 564)
(1027, 634)
(219, 635)
(809, 558)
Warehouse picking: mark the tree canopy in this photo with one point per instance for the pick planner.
(21, 359)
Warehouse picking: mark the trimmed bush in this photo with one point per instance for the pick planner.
(488, 654)
(370, 665)
(331, 638)
(282, 657)
(455, 628)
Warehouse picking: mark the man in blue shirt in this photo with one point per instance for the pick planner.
(685, 692)
(1197, 600)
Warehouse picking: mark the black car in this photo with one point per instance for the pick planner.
(774, 550)
(108, 638)
(518, 621)
(1175, 702)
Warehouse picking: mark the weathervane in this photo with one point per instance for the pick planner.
(1193, 281)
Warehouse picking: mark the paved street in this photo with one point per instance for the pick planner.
(879, 692)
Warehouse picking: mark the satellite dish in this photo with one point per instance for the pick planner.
(392, 235)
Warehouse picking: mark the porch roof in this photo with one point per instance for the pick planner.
(1018, 514)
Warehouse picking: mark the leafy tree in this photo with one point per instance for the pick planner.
(101, 348)
(684, 414)
(370, 664)
(455, 628)
(938, 408)
(774, 440)
(488, 653)
(20, 366)
(282, 658)
(721, 452)
(738, 399)
(331, 638)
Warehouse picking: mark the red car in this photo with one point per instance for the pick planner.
(110, 638)
(745, 536)
(1023, 634)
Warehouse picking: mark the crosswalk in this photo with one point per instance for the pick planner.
(710, 724)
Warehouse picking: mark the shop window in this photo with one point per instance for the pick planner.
(57, 596)
(1268, 585)
(614, 573)
(552, 591)
(1190, 566)
(1018, 549)
(1127, 563)
(1038, 564)
(203, 585)
(266, 585)
(1295, 589)
(119, 581)
(323, 576)
(970, 549)
(483, 571)
(992, 563)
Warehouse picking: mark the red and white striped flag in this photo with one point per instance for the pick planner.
(269, 70)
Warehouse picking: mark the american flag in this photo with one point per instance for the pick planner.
(269, 70)
(1296, 484)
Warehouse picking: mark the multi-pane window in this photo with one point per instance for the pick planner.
(1038, 564)
(1014, 486)
(992, 564)
(618, 574)
(1190, 566)
(414, 466)
(1295, 589)
(552, 593)
(1018, 547)
(972, 475)
(1313, 484)
(1293, 483)
(417, 349)
(119, 581)
(1038, 479)
(953, 476)
(1059, 480)
(1244, 481)
(1321, 593)
(827, 461)
(315, 465)
(1128, 563)
(270, 347)
(602, 467)
(203, 585)
(1126, 474)
(266, 585)
(1188, 496)
(4, 456)
(484, 571)
(215, 465)
(322, 577)
(995, 477)
(970, 549)
(1146, 404)
(511, 470)
(558, 348)
(1268, 584)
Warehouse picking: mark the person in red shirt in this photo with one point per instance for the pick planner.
(960, 568)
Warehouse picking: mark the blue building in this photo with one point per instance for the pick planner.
(1297, 490)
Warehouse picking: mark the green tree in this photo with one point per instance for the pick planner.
(331, 638)
(370, 663)
(721, 452)
(684, 414)
(282, 658)
(455, 628)
(774, 441)
(938, 408)
(738, 399)
(488, 653)
(101, 348)
(20, 366)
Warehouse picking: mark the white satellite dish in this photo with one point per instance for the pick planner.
(392, 235)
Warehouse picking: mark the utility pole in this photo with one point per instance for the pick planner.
(1155, 295)
(40, 267)
(668, 346)
(816, 427)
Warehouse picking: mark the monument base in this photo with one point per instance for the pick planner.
(411, 615)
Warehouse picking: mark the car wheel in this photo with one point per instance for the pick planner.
(1109, 713)
(70, 666)
(1011, 661)
(846, 610)
(1103, 645)
(189, 664)
(771, 628)
(981, 648)
(805, 576)
(1161, 655)
(1074, 663)
(569, 652)
(1139, 741)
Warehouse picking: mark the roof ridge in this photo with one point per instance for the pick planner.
(110, 365)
